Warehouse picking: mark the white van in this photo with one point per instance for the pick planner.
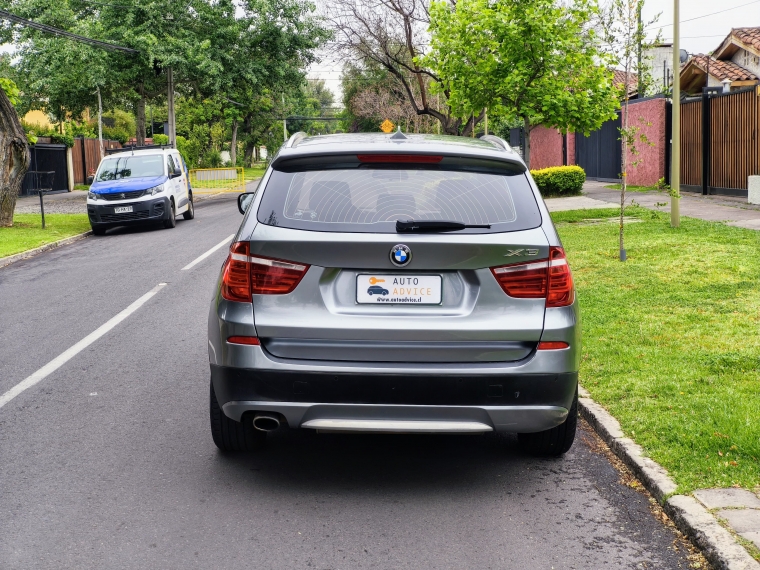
(139, 186)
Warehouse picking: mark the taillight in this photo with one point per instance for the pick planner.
(552, 345)
(236, 276)
(405, 158)
(249, 340)
(561, 290)
(244, 275)
(550, 279)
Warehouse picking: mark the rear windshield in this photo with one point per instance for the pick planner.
(131, 167)
(372, 199)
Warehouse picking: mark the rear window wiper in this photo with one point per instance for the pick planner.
(410, 226)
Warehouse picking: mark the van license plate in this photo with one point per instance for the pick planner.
(398, 289)
(122, 210)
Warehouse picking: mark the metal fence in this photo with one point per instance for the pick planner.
(720, 139)
(216, 180)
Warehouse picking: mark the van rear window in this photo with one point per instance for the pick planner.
(373, 199)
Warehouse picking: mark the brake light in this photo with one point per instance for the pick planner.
(244, 275)
(561, 289)
(405, 158)
(249, 340)
(550, 279)
(236, 276)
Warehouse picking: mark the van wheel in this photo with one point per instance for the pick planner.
(189, 214)
(229, 435)
(552, 442)
(172, 221)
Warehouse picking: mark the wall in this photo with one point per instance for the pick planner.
(651, 159)
(546, 148)
(37, 117)
(659, 61)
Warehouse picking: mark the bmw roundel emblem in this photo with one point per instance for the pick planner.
(400, 255)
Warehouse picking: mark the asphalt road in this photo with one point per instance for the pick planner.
(108, 461)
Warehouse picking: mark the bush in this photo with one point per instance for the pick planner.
(559, 180)
(160, 139)
(212, 159)
(190, 151)
(116, 134)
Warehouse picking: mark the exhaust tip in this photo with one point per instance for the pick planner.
(265, 422)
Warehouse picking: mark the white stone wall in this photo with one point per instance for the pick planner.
(657, 57)
(748, 61)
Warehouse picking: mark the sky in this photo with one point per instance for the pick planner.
(702, 34)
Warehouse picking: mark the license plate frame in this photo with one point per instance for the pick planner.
(123, 209)
(420, 289)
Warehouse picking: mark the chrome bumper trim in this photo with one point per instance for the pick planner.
(396, 426)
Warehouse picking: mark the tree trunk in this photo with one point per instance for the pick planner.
(256, 154)
(233, 145)
(14, 159)
(526, 141)
(140, 135)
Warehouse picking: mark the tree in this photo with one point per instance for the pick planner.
(624, 33)
(540, 62)
(393, 35)
(14, 152)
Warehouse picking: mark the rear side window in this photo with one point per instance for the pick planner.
(373, 199)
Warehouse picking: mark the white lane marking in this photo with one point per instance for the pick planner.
(70, 353)
(197, 260)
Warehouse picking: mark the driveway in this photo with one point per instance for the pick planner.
(107, 461)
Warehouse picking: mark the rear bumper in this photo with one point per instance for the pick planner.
(510, 402)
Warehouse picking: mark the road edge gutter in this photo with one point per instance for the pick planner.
(5, 261)
(691, 518)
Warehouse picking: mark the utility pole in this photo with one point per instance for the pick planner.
(639, 39)
(675, 153)
(170, 104)
(284, 122)
(486, 118)
(100, 127)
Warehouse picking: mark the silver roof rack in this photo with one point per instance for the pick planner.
(295, 139)
(497, 141)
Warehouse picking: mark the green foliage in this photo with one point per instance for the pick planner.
(160, 139)
(11, 90)
(212, 159)
(116, 134)
(119, 120)
(536, 61)
(671, 342)
(559, 180)
(190, 149)
(62, 138)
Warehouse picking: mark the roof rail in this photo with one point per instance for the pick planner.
(295, 139)
(497, 141)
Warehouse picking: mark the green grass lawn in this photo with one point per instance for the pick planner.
(255, 172)
(672, 339)
(27, 232)
(632, 188)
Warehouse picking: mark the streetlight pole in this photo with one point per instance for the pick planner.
(675, 154)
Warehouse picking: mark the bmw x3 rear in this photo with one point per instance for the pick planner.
(391, 283)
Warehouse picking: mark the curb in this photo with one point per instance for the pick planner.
(4, 261)
(691, 518)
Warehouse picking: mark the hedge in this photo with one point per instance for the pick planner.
(559, 180)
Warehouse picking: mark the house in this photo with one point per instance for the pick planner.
(735, 63)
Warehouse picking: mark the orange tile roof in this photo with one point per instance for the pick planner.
(619, 79)
(722, 69)
(748, 36)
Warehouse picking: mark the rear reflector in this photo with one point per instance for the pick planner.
(550, 279)
(404, 158)
(552, 345)
(244, 275)
(251, 340)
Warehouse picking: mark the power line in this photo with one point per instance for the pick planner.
(706, 15)
(4, 14)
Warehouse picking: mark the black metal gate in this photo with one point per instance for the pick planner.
(47, 157)
(600, 154)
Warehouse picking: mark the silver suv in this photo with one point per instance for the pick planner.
(395, 283)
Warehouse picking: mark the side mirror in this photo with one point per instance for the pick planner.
(244, 200)
(175, 175)
(90, 180)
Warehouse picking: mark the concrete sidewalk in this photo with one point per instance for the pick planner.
(733, 211)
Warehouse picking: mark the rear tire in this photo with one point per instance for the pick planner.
(172, 221)
(230, 435)
(189, 214)
(552, 442)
